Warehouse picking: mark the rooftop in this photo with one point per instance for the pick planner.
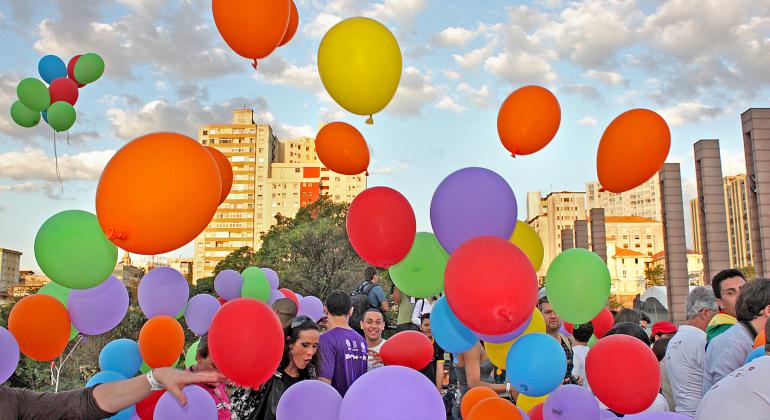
(629, 219)
(624, 252)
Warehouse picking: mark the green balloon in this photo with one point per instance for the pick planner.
(89, 68)
(593, 340)
(61, 116)
(255, 284)
(24, 116)
(421, 273)
(578, 285)
(33, 94)
(189, 357)
(72, 250)
(62, 294)
(146, 368)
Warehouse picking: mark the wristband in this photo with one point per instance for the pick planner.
(154, 384)
(508, 388)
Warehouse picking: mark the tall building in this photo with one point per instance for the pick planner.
(738, 221)
(695, 225)
(643, 201)
(270, 177)
(557, 211)
(634, 233)
(9, 268)
(535, 205)
(756, 146)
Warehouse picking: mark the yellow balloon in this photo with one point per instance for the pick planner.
(528, 241)
(359, 61)
(498, 353)
(525, 402)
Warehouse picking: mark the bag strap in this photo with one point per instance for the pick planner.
(750, 328)
(368, 288)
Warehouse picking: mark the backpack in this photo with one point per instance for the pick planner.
(360, 300)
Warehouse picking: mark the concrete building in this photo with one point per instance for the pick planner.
(556, 212)
(695, 224)
(9, 268)
(635, 233)
(711, 202)
(675, 248)
(126, 272)
(756, 144)
(598, 237)
(738, 221)
(184, 266)
(695, 272)
(643, 201)
(581, 234)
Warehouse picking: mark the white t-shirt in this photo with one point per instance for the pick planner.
(684, 363)
(579, 353)
(423, 306)
(726, 353)
(369, 362)
(741, 395)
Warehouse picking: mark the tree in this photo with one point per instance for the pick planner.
(655, 275)
(238, 260)
(749, 272)
(614, 302)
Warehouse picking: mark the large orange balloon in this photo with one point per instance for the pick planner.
(293, 24)
(158, 193)
(528, 120)
(252, 28)
(161, 341)
(633, 148)
(494, 408)
(41, 326)
(473, 397)
(342, 148)
(225, 171)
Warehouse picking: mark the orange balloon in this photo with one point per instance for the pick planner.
(158, 193)
(342, 148)
(41, 326)
(494, 408)
(161, 341)
(293, 24)
(252, 28)
(633, 148)
(760, 340)
(528, 120)
(473, 397)
(225, 171)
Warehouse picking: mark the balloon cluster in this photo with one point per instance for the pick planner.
(55, 102)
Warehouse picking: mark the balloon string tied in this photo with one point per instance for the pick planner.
(370, 120)
(113, 234)
(254, 64)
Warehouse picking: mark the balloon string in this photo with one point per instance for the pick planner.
(370, 120)
(68, 138)
(56, 160)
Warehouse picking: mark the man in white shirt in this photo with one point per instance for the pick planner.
(422, 307)
(373, 324)
(687, 350)
(580, 336)
(741, 395)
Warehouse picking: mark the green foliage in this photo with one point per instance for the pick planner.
(656, 276)
(749, 272)
(238, 260)
(614, 302)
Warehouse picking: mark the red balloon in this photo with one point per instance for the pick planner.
(145, 409)
(293, 24)
(411, 349)
(246, 341)
(603, 323)
(536, 413)
(381, 226)
(569, 327)
(71, 70)
(490, 285)
(221, 300)
(623, 373)
(225, 171)
(63, 89)
(289, 294)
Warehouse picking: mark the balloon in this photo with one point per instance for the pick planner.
(494, 408)
(246, 342)
(100, 309)
(228, 284)
(289, 295)
(71, 70)
(623, 373)
(291, 29)
(578, 285)
(200, 405)
(33, 94)
(62, 294)
(536, 412)
(268, 21)
(527, 403)
(163, 291)
(448, 331)
(469, 203)
(421, 273)
(145, 368)
(756, 353)
(51, 68)
(185, 194)
(603, 323)
(528, 120)
(342, 148)
(61, 116)
(63, 89)
(536, 364)
(359, 61)
(9, 354)
(274, 295)
(633, 148)
(121, 356)
(41, 327)
(88, 68)
(190, 357)
(312, 307)
(309, 400)
(272, 277)
(571, 402)
(473, 397)
(161, 341)
(408, 348)
(535, 323)
(225, 171)
(199, 313)
(104, 377)
(569, 328)
(146, 408)
(408, 391)
(381, 226)
(490, 285)
(607, 414)
(659, 415)
(760, 340)
(498, 352)
(24, 116)
(528, 241)
(255, 284)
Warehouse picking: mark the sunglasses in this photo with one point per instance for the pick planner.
(302, 319)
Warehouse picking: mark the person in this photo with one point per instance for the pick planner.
(300, 361)
(376, 295)
(646, 321)
(552, 328)
(473, 368)
(368, 295)
(406, 305)
(373, 325)
(100, 401)
(662, 329)
(204, 363)
(727, 286)
(687, 349)
(580, 336)
(423, 307)
(435, 369)
(628, 315)
(344, 350)
(659, 347)
(286, 310)
(727, 351)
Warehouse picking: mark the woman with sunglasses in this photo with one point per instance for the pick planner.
(300, 362)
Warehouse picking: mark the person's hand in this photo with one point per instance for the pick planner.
(173, 380)
(375, 357)
(580, 381)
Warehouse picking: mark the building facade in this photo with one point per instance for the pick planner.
(738, 221)
(556, 212)
(9, 268)
(695, 225)
(643, 201)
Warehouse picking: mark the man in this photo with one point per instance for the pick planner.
(552, 327)
(218, 392)
(368, 295)
(628, 315)
(727, 286)
(406, 305)
(343, 351)
(645, 322)
(286, 310)
(435, 369)
(728, 350)
(662, 329)
(580, 335)
(373, 325)
(687, 349)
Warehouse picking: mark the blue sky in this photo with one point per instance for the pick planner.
(699, 63)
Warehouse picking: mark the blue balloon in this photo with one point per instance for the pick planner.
(51, 68)
(121, 356)
(45, 115)
(536, 364)
(448, 331)
(756, 353)
(107, 376)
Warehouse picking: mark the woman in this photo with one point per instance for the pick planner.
(473, 368)
(300, 362)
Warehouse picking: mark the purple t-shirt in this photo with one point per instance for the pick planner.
(343, 357)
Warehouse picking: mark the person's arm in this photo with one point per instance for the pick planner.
(380, 295)
(417, 312)
(439, 375)
(396, 295)
(473, 370)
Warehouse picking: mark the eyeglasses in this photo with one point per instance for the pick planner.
(302, 319)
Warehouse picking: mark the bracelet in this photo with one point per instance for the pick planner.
(154, 384)
(508, 387)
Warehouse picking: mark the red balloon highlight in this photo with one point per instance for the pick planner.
(603, 323)
(411, 349)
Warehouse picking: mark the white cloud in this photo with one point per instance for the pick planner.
(474, 58)
(588, 121)
(733, 162)
(689, 112)
(278, 70)
(520, 68)
(390, 168)
(294, 131)
(449, 104)
(402, 12)
(451, 74)
(414, 92)
(453, 36)
(479, 97)
(607, 77)
(34, 164)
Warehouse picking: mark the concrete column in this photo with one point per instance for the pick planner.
(672, 211)
(581, 234)
(756, 145)
(598, 233)
(711, 208)
(567, 239)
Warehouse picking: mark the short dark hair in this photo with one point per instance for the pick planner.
(644, 316)
(628, 315)
(292, 335)
(423, 317)
(659, 347)
(716, 282)
(583, 332)
(203, 346)
(755, 296)
(372, 310)
(369, 273)
(629, 328)
(338, 303)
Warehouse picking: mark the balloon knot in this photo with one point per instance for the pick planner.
(513, 155)
(366, 173)
(113, 234)
(254, 64)
(602, 189)
(370, 120)
(557, 411)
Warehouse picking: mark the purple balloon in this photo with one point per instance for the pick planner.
(272, 277)
(199, 313)
(200, 405)
(607, 414)
(571, 402)
(469, 203)
(228, 284)
(9, 354)
(563, 331)
(275, 295)
(504, 338)
(524, 415)
(309, 400)
(99, 309)
(410, 395)
(312, 307)
(299, 296)
(163, 291)
(659, 415)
